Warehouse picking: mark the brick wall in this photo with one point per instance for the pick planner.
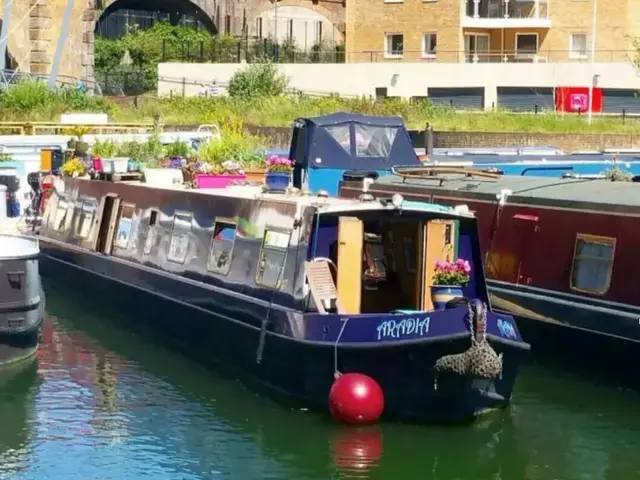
(279, 137)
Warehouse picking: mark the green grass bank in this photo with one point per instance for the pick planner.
(33, 102)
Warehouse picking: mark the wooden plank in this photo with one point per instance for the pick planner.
(350, 241)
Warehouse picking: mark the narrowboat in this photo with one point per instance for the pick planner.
(22, 299)
(560, 255)
(290, 289)
(568, 165)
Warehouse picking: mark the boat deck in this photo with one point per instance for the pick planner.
(600, 194)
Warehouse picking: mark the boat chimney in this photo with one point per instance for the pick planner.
(366, 196)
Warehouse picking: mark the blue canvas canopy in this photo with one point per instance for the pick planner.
(347, 142)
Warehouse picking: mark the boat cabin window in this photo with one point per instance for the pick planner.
(592, 264)
(151, 231)
(125, 224)
(374, 141)
(221, 250)
(273, 256)
(85, 215)
(62, 218)
(179, 243)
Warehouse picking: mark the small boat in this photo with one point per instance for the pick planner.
(327, 148)
(560, 255)
(595, 163)
(21, 298)
(290, 289)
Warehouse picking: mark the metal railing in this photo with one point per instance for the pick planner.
(512, 10)
(13, 77)
(492, 56)
(56, 128)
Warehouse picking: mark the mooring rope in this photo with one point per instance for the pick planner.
(336, 372)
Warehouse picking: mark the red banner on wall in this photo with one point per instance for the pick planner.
(576, 99)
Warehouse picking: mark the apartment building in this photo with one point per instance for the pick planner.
(490, 30)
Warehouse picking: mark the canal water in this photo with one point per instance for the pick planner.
(101, 402)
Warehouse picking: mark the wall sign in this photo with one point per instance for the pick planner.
(408, 327)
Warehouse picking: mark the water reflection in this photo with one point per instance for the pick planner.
(112, 404)
(18, 387)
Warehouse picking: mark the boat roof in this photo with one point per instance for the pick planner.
(321, 203)
(338, 118)
(529, 189)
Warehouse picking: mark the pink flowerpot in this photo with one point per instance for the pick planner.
(208, 180)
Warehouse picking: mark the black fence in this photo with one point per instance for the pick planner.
(121, 22)
(237, 49)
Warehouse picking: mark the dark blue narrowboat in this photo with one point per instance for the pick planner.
(288, 289)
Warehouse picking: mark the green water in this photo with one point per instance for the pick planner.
(101, 402)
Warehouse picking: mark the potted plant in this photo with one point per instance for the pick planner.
(449, 280)
(278, 174)
(77, 144)
(74, 167)
(164, 172)
(221, 175)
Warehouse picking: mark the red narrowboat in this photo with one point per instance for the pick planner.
(560, 255)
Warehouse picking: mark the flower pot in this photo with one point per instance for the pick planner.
(255, 175)
(81, 148)
(115, 165)
(441, 294)
(277, 181)
(162, 177)
(212, 180)
(71, 144)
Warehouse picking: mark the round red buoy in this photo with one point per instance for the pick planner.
(356, 398)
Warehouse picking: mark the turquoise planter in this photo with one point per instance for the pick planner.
(441, 294)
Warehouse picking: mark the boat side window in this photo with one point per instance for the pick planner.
(223, 240)
(62, 217)
(85, 214)
(272, 258)
(125, 224)
(151, 232)
(179, 242)
(592, 264)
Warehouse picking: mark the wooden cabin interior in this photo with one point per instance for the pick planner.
(378, 266)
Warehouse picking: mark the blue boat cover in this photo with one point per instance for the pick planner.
(351, 142)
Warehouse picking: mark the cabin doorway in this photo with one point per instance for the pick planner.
(108, 215)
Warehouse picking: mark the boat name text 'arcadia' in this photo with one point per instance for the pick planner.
(408, 327)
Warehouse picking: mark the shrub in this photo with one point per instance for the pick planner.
(258, 80)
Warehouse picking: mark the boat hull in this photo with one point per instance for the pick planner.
(588, 335)
(291, 369)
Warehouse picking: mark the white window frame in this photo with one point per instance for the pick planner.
(575, 54)
(425, 53)
(387, 52)
(528, 34)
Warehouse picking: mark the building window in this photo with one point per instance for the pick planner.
(227, 24)
(526, 45)
(273, 257)
(592, 264)
(223, 240)
(125, 224)
(429, 45)
(319, 32)
(179, 243)
(393, 45)
(259, 27)
(578, 45)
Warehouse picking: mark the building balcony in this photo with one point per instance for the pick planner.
(506, 14)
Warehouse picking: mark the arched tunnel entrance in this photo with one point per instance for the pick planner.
(122, 15)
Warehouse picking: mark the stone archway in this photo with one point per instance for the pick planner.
(202, 10)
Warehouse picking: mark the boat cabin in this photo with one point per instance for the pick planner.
(326, 148)
(309, 253)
